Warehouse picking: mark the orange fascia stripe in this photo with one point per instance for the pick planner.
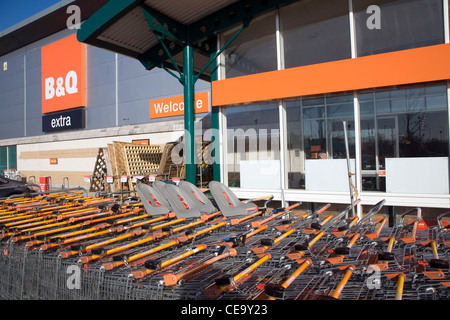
(387, 69)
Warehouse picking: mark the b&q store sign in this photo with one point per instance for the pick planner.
(64, 89)
(63, 75)
(63, 84)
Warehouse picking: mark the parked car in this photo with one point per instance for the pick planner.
(9, 187)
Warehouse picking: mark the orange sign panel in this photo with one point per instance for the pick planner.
(63, 75)
(174, 106)
(379, 70)
(141, 141)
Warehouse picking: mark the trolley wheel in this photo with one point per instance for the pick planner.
(98, 251)
(343, 227)
(55, 240)
(439, 263)
(275, 291)
(301, 246)
(119, 257)
(267, 242)
(316, 225)
(386, 256)
(152, 264)
(223, 281)
(342, 250)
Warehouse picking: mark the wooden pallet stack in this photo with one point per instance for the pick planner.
(168, 168)
(101, 169)
(129, 159)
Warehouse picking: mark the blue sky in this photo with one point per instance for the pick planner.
(14, 11)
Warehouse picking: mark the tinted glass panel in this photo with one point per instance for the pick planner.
(254, 50)
(403, 24)
(252, 134)
(315, 31)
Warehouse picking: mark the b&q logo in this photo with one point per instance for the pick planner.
(63, 75)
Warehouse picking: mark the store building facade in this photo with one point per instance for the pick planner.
(62, 100)
(282, 91)
(298, 72)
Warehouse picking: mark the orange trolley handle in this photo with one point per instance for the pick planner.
(225, 282)
(277, 291)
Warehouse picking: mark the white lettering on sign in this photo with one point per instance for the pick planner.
(61, 122)
(174, 106)
(168, 108)
(63, 86)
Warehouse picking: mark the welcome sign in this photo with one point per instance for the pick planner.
(174, 106)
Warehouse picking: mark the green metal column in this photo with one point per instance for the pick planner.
(189, 114)
(215, 114)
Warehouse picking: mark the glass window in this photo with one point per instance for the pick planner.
(366, 108)
(3, 159)
(12, 157)
(253, 133)
(340, 110)
(313, 101)
(403, 24)
(365, 96)
(313, 113)
(8, 158)
(315, 32)
(368, 143)
(409, 121)
(314, 137)
(317, 132)
(383, 106)
(254, 50)
(435, 102)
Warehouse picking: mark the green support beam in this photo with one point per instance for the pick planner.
(215, 115)
(112, 11)
(231, 16)
(189, 115)
(164, 25)
(175, 38)
(156, 56)
(214, 55)
(188, 79)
